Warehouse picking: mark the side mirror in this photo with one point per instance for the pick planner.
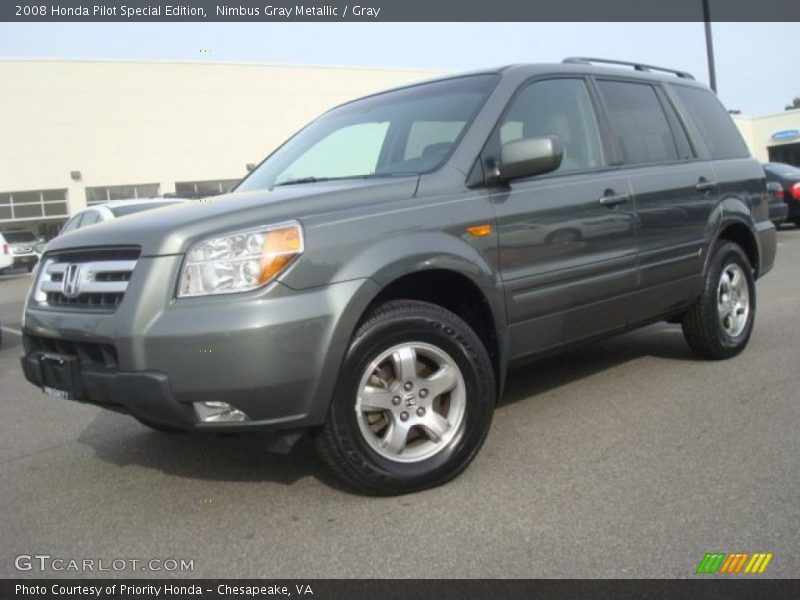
(530, 156)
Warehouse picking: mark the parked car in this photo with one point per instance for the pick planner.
(108, 211)
(21, 244)
(370, 282)
(6, 258)
(788, 178)
(778, 209)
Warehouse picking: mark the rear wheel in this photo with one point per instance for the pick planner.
(720, 322)
(413, 404)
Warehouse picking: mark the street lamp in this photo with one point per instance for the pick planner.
(712, 76)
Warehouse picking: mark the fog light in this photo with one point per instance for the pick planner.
(218, 412)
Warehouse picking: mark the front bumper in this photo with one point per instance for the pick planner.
(274, 354)
(144, 394)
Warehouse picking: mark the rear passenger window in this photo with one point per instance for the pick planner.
(638, 122)
(712, 122)
(559, 107)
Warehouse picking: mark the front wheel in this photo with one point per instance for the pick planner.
(413, 404)
(719, 323)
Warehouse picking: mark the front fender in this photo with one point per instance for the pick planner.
(384, 261)
(387, 260)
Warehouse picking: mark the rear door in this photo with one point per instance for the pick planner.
(673, 194)
(567, 249)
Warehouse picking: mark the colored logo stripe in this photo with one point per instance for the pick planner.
(716, 561)
(711, 562)
(734, 562)
(758, 563)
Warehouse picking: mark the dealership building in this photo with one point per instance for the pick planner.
(82, 132)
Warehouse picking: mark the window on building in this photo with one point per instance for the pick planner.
(205, 188)
(639, 122)
(31, 205)
(100, 194)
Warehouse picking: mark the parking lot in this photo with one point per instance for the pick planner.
(625, 458)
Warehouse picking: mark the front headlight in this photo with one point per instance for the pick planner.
(239, 261)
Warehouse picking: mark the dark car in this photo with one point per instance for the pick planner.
(370, 282)
(778, 209)
(788, 179)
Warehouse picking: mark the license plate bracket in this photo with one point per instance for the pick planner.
(59, 372)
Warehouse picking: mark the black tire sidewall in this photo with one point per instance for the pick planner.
(458, 341)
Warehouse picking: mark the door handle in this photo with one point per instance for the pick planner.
(612, 199)
(704, 185)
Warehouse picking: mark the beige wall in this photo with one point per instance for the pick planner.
(151, 122)
(122, 122)
(757, 131)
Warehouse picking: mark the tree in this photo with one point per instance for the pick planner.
(795, 104)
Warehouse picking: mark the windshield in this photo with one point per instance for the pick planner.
(404, 132)
(17, 237)
(121, 211)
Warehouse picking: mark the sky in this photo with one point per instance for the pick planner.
(758, 64)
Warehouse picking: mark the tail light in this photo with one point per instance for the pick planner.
(779, 193)
(5, 249)
(796, 190)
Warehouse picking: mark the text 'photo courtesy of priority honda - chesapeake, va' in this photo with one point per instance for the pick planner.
(347, 301)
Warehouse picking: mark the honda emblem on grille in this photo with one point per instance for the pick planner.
(70, 285)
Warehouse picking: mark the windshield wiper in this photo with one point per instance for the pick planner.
(302, 180)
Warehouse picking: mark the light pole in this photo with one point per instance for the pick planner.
(712, 75)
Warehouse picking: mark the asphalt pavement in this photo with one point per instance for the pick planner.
(623, 458)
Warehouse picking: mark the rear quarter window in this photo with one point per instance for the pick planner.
(712, 122)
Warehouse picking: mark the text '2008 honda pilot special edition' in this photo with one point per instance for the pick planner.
(371, 280)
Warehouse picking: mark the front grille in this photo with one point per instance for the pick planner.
(88, 279)
(90, 354)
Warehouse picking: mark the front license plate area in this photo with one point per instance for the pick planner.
(60, 375)
(54, 393)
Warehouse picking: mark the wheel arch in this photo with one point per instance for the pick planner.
(740, 231)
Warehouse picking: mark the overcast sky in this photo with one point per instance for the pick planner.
(758, 64)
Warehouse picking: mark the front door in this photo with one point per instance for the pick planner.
(567, 247)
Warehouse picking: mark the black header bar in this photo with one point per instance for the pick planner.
(396, 10)
(707, 588)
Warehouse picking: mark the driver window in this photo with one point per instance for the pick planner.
(559, 107)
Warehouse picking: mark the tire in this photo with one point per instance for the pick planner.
(388, 434)
(709, 333)
(159, 427)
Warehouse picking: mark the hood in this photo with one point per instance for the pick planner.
(170, 230)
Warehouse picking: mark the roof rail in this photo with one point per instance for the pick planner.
(583, 60)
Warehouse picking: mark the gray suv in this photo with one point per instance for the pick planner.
(371, 281)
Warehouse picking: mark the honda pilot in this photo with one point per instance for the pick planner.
(371, 281)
